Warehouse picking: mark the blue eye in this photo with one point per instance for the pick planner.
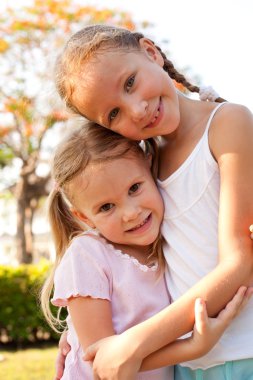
(134, 188)
(130, 83)
(113, 114)
(106, 207)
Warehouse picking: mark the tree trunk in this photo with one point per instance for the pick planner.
(24, 229)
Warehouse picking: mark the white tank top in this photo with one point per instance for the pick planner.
(190, 229)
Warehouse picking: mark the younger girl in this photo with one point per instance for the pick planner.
(111, 278)
(124, 82)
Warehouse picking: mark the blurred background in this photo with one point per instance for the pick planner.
(208, 41)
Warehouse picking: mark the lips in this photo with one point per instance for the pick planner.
(141, 226)
(156, 117)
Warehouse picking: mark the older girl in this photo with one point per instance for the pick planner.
(124, 82)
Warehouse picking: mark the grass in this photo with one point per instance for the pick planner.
(28, 364)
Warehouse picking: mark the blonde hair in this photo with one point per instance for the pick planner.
(86, 145)
(92, 40)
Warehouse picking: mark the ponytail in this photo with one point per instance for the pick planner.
(64, 227)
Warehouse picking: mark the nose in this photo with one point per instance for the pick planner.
(137, 109)
(130, 211)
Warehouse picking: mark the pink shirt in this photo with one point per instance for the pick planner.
(92, 267)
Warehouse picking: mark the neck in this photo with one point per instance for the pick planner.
(191, 113)
(177, 146)
(141, 253)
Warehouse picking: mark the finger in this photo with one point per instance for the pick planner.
(251, 230)
(65, 350)
(90, 353)
(63, 344)
(59, 366)
(249, 291)
(95, 375)
(248, 294)
(201, 317)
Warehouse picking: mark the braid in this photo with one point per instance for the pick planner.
(173, 73)
(180, 78)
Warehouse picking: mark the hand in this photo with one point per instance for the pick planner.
(113, 359)
(251, 231)
(64, 348)
(207, 331)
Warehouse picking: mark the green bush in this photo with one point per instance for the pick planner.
(21, 320)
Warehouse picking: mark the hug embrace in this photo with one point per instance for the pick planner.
(150, 215)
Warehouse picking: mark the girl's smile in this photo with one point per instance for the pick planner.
(143, 226)
(157, 117)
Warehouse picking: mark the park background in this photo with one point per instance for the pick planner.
(209, 41)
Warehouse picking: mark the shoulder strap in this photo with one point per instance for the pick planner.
(212, 115)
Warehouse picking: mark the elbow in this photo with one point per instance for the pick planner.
(249, 260)
(245, 262)
(239, 262)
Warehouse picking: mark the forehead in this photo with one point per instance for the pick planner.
(111, 175)
(101, 78)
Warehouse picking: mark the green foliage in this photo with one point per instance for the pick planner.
(6, 156)
(21, 320)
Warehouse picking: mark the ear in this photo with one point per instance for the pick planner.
(151, 51)
(83, 218)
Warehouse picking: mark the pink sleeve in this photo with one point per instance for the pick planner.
(83, 271)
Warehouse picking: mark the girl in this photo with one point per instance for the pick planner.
(109, 279)
(124, 82)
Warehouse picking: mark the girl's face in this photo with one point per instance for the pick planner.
(129, 92)
(121, 200)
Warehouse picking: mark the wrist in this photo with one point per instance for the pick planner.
(136, 342)
(197, 349)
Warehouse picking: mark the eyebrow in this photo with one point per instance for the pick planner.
(98, 205)
(86, 117)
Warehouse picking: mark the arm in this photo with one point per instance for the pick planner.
(85, 272)
(207, 332)
(231, 141)
(91, 318)
(157, 359)
(92, 321)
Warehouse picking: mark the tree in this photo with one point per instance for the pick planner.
(28, 107)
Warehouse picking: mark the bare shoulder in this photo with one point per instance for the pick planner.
(232, 128)
(232, 110)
